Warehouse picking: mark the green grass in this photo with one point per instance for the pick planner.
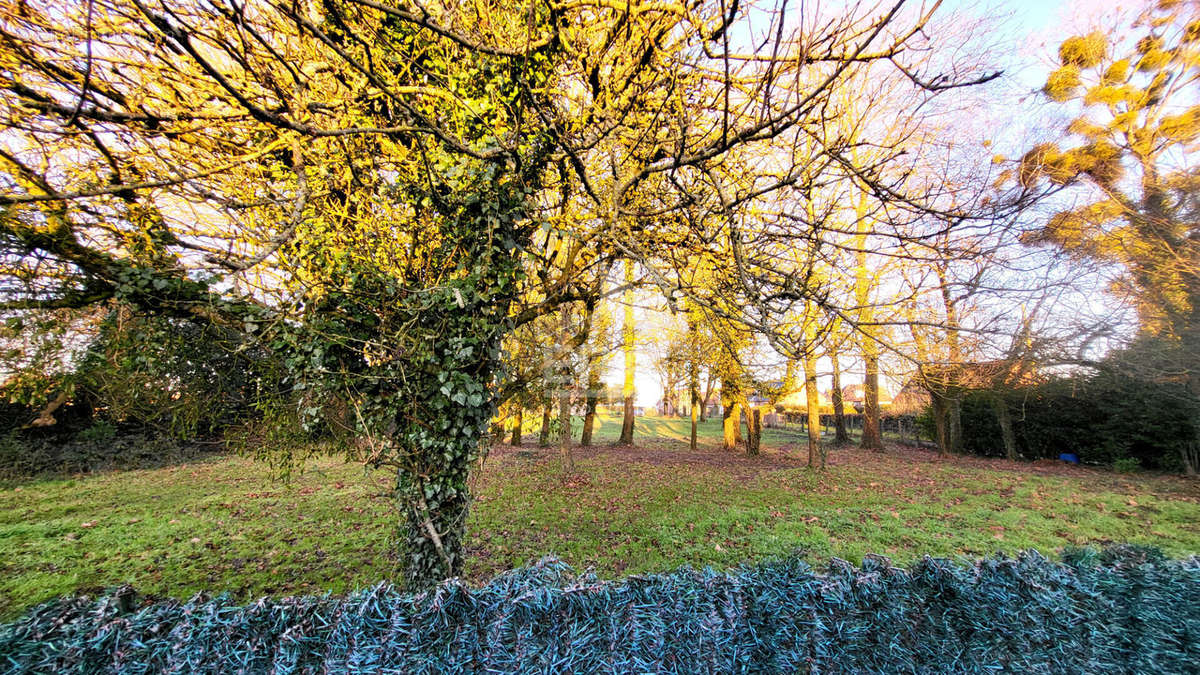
(225, 525)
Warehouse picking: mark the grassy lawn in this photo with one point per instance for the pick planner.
(225, 525)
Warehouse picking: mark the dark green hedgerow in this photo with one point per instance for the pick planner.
(1123, 610)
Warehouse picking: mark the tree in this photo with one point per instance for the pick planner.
(811, 396)
(841, 434)
(629, 350)
(1130, 151)
(601, 342)
(360, 187)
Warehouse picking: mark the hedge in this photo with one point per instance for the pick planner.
(1125, 609)
(1100, 418)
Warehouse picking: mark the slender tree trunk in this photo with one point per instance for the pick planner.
(941, 423)
(565, 380)
(630, 351)
(729, 419)
(707, 397)
(544, 435)
(752, 432)
(841, 436)
(813, 402)
(693, 379)
(954, 422)
(593, 398)
(564, 432)
(738, 411)
(756, 430)
(1004, 419)
(872, 438)
(695, 419)
(516, 431)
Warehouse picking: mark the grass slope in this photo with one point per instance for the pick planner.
(224, 524)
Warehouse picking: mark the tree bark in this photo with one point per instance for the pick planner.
(841, 436)
(729, 420)
(565, 381)
(738, 411)
(954, 421)
(872, 438)
(629, 349)
(593, 398)
(1004, 419)
(941, 422)
(693, 381)
(695, 419)
(813, 403)
(752, 432)
(544, 435)
(516, 431)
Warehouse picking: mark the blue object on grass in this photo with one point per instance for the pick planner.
(1069, 457)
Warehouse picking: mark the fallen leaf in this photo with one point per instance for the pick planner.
(90, 523)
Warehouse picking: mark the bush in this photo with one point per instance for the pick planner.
(1124, 610)
(1126, 465)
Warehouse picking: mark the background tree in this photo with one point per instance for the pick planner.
(629, 352)
(1130, 150)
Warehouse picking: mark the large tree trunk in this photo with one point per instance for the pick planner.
(516, 431)
(1004, 419)
(432, 491)
(630, 351)
(729, 420)
(813, 402)
(841, 435)
(872, 438)
(433, 526)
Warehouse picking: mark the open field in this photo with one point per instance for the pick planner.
(224, 524)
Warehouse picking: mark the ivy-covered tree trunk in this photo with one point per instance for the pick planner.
(441, 429)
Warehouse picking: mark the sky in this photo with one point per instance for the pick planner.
(1028, 33)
